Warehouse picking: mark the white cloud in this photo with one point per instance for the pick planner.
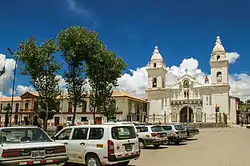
(232, 57)
(137, 80)
(7, 77)
(81, 10)
(20, 89)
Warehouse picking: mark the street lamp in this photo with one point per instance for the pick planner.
(13, 86)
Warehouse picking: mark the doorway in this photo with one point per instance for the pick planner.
(186, 115)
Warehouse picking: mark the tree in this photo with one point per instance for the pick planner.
(103, 70)
(109, 108)
(77, 44)
(7, 112)
(39, 63)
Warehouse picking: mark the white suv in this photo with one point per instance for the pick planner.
(96, 145)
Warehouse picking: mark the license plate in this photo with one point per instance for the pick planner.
(128, 148)
(38, 154)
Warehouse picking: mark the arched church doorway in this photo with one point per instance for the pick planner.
(186, 115)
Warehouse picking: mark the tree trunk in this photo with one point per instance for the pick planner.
(94, 115)
(46, 117)
(74, 114)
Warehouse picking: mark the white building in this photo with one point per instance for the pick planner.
(188, 100)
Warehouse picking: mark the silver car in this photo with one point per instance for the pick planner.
(176, 133)
(151, 135)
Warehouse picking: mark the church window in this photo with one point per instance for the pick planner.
(154, 82)
(185, 94)
(162, 103)
(219, 76)
(206, 100)
(218, 57)
(186, 84)
(163, 84)
(154, 64)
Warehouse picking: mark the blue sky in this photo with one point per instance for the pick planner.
(181, 29)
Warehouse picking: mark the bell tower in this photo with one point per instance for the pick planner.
(157, 71)
(219, 64)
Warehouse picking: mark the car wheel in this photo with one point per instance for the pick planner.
(92, 160)
(177, 143)
(124, 163)
(141, 144)
(156, 146)
(188, 133)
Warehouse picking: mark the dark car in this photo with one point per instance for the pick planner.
(191, 130)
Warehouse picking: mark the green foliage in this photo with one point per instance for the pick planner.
(39, 63)
(108, 109)
(53, 107)
(77, 44)
(102, 70)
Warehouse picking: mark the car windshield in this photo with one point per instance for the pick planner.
(123, 132)
(178, 127)
(23, 135)
(157, 129)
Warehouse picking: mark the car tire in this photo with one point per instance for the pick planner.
(156, 146)
(92, 160)
(188, 133)
(124, 163)
(141, 144)
(177, 143)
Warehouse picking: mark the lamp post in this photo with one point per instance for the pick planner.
(13, 86)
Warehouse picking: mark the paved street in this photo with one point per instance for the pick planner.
(213, 147)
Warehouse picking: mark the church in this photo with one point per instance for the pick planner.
(190, 101)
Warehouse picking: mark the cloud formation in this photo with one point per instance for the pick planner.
(7, 77)
(85, 13)
(137, 80)
(232, 57)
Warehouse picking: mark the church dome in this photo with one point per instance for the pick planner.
(156, 54)
(218, 46)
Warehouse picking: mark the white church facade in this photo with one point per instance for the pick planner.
(189, 100)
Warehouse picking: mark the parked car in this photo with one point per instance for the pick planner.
(96, 145)
(191, 130)
(29, 146)
(151, 135)
(176, 133)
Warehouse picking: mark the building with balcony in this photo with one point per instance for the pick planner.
(25, 107)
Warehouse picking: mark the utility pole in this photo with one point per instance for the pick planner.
(13, 86)
(217, 108)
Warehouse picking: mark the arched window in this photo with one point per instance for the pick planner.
(154, 82)
(218, 57)
(26, 106)
(69, 106)
(17, 107)
(219, 76)
(154, 64)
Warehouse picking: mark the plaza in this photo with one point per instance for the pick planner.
(212, 147)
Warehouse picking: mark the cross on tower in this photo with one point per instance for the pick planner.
(186, 70)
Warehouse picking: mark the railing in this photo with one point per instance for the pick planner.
(26, 110)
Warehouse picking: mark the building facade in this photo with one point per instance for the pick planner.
(25, 107)
(189, 100)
